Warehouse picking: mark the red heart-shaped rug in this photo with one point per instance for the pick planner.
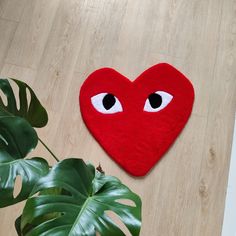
(136, 122)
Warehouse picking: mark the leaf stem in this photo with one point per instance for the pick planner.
(49, 150)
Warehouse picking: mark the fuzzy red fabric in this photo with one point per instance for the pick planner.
(136, 122)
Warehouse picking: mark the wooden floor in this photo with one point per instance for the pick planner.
(53, 45)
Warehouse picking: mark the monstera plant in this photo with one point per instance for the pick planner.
(71, 198)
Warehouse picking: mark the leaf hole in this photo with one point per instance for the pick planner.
(16, 91)
(98, 234)
(116, 219)
(36, 194)
(3, 98)
(17, 186)
(28, 95)
(126, 202)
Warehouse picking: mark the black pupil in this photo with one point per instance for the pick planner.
(155, 100)
(108, 101)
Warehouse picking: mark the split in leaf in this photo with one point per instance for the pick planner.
(31, 110)
(17, 139)
(80, 209)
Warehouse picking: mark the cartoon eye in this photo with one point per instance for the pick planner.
(106, 103)
(157, 101)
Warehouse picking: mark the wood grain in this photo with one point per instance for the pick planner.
(7, 29)
(32, 33)
(12, 10)
(54, 45)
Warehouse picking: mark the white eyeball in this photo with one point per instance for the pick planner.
(157, 101)
(106, 103)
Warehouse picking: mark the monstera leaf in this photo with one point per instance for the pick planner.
(29, 171)
(81, 207)
(17, 139)
(17, 225)
(31, 110)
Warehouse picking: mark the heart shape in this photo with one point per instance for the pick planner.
(136, 122)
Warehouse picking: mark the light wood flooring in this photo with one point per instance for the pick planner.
(54, 44)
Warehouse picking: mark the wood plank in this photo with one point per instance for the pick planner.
(178, 29)
(59, 42)
(12, 9)
(219, 130)
(32, 32)
(101, 28)
(8, 29)
(24, 74)
(61, 53)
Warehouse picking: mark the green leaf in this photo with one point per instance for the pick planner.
(17, 139)
(29, 171)
(82, 205)
(31, 110)
(17, 225)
